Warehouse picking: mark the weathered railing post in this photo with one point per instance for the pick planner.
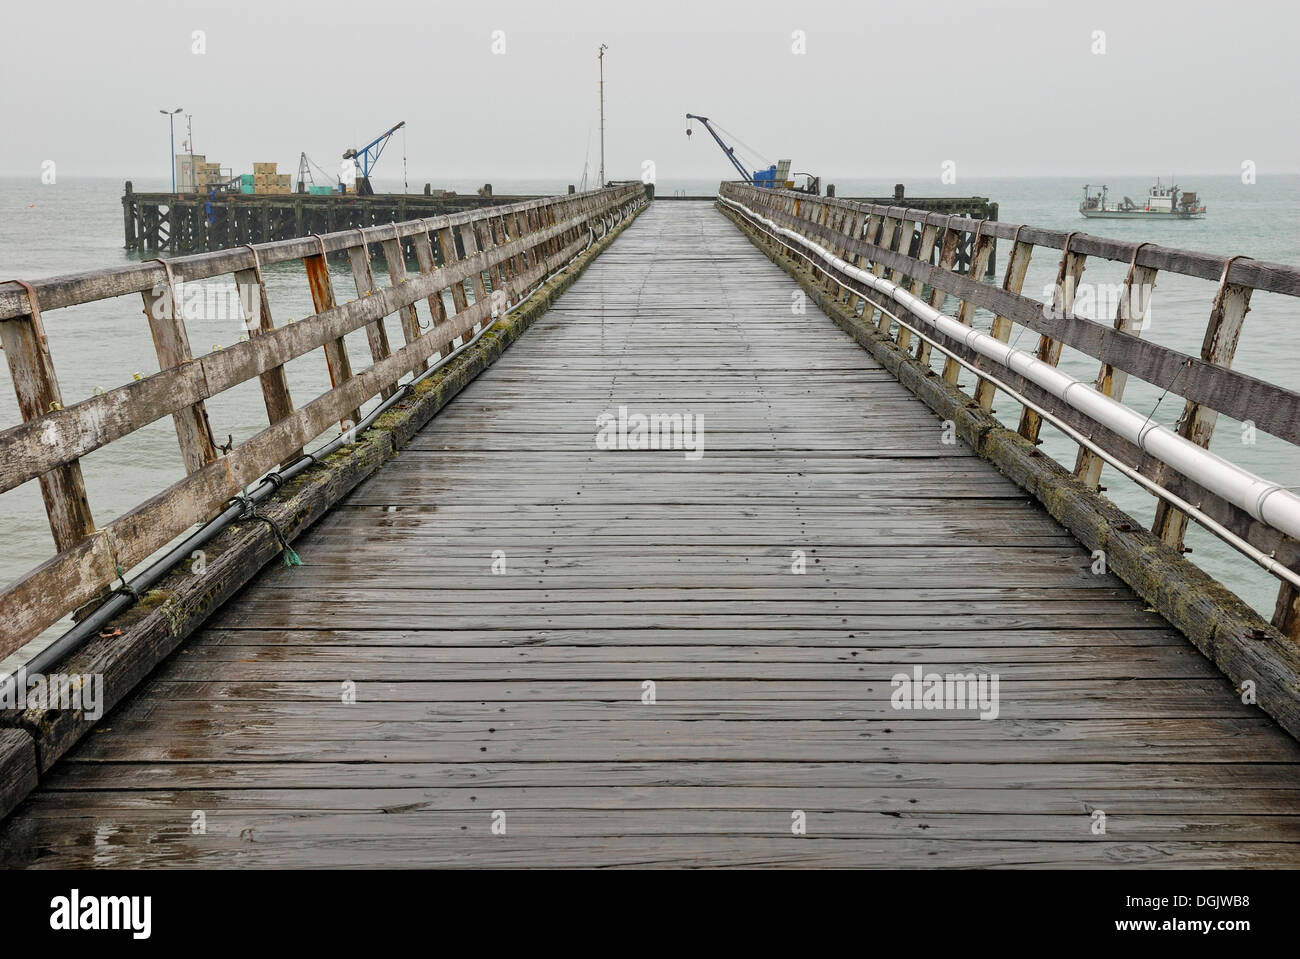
(172, 344)
(906, 228)
(336, 351)
(518, 230)
(363, 278)
(1231, 304)
(500, 237)
(447, 246)
(1286, 612)
(1130, 316)
(841, 220)
(407, 315)
(947, 257)
(884, 237)
(1068, 273)
(472, 239)
(258, 322)
(856, 224)
(925, 250)
(1013, 282)
(424, 256)
(63, 489)
(981, 250)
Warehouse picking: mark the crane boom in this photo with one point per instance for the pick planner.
(728, 150)
(369, 155)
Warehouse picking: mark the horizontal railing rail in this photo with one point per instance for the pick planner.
(896, 263)
(486, 260)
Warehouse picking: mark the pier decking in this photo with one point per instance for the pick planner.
(518, 700)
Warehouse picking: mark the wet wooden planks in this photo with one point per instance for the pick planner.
(518, 697)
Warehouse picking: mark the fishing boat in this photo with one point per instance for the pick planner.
(1162, 203)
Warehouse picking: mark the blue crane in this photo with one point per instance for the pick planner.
(774, 176)
(728, 150)
(369, 155)
(765, 178)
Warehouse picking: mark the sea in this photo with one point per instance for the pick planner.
(76, 224)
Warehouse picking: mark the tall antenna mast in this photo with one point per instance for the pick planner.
(601, 58)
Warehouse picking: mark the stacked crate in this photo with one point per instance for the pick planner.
(207, 175)
(266, 180)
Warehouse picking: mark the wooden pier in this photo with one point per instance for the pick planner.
(195, 223)
(180, 223)
(508, 646)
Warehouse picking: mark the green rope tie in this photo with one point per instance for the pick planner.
(126, 589)
(287, 553)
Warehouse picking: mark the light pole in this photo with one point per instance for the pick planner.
(171, 158)
(601, 57)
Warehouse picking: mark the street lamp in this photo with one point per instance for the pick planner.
(600, 55)
(171, 159)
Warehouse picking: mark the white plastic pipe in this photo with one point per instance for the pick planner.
(1266, 501)
(1225, 534)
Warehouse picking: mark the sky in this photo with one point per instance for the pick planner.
(510, 89)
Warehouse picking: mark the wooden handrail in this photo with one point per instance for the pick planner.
(1205, 382)
(56, 292)
(1274, 409)
(1256, 274)
(496, 260)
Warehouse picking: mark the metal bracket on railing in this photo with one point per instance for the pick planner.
(1128, 282)
(38, 325)
(365, 247)
(1133, 260)
(171, 278)
(1227, 266)
(257, 271)
(1212, 329)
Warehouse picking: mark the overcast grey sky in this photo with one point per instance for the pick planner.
(884, 89)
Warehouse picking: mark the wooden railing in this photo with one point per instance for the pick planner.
(915, 250)
(500, 252)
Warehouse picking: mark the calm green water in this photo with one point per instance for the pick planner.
(77, 225)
